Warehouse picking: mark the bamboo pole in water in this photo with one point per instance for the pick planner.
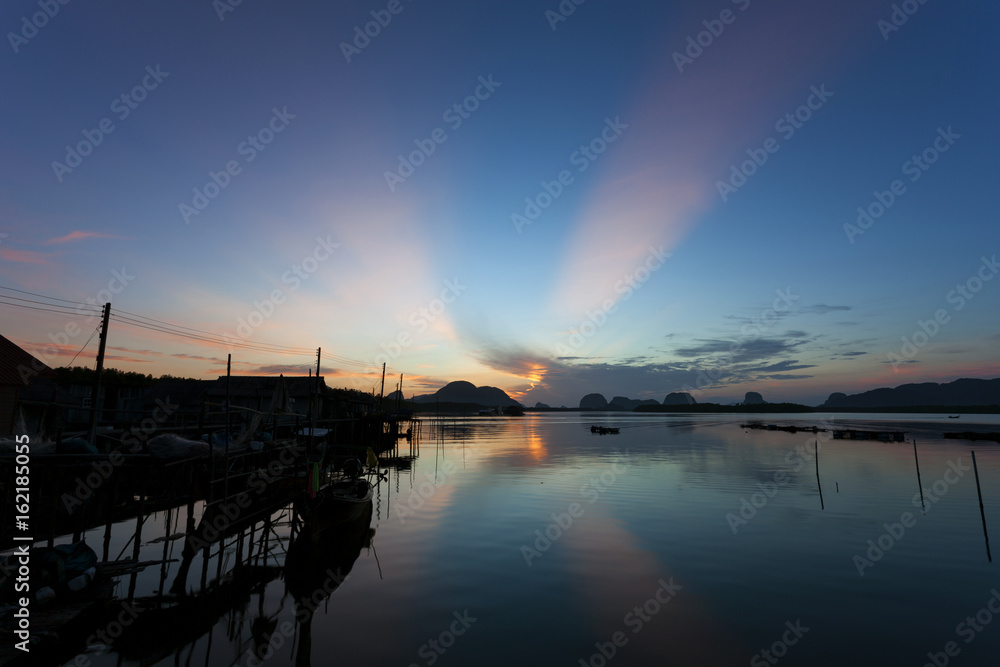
(819, 486)
(982, 510)
(920, 484)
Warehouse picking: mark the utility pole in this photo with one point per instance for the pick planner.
(381, 392)
(314, 404)
(96, 404)
(229, 369)
(319, 353)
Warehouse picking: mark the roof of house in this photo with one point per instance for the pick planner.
(263, 385)
(17, 367)
(182, 391)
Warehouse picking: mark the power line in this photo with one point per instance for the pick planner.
(41, 296)
(49, 310)
(213, 341)
(169, 328)
(96, 329)
(304, 350)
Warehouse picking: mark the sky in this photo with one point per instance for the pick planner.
(628, 198)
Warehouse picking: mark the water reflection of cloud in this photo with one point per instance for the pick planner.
(614, 574)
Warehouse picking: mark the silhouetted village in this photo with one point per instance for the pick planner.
(227, 461)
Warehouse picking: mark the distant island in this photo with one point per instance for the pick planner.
(964, 392)
(463, 392)
(971, 395)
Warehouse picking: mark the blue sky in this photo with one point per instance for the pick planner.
(436, 275)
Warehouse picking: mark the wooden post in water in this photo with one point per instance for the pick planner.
(819, 486)
(166, 550)
(210, 492)
(138, 540)
(109, 513)
(919, 483)
(982, 511)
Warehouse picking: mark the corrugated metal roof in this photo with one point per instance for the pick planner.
(17, 367)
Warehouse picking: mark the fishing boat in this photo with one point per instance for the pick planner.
(345, 499)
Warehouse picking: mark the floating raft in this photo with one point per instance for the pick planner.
(838, 434)
(884, 436)
(604, 430)
(788, 429)
(973, 435)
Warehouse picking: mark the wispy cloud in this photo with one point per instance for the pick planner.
(823, 309)
(23, 256)
(79, 235)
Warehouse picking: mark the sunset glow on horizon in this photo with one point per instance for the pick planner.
(640, 199)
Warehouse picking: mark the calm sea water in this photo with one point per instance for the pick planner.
(683, 540)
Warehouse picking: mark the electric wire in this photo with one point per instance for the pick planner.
(96, 329)
(177, 330)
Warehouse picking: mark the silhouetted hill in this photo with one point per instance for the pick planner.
(753, 398)
(679, 398)
(736, 409)
(965, 391)
(466, 392)
(621, 403)
(594, 402)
